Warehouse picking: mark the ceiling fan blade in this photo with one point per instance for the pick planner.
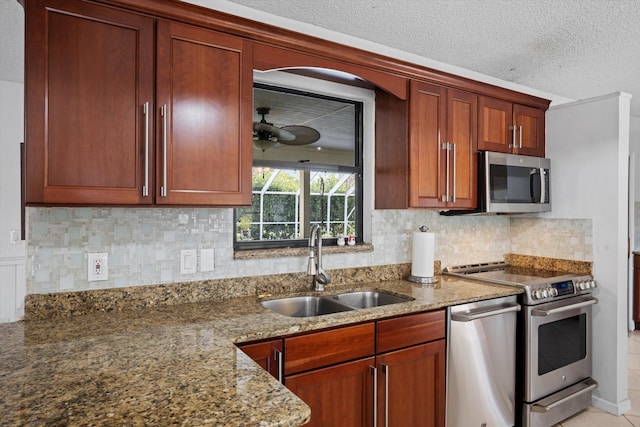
(303, 135)
(279, 133)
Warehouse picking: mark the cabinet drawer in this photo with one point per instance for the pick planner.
(326, 348)
(636, 261)
(410, 330)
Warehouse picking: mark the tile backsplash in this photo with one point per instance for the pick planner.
(554, 238)
(144, 244)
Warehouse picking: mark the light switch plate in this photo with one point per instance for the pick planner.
(98, 266)
(188, 261)
(207, 260)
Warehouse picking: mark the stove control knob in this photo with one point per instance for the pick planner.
(537, 294)
(554, 292)
(592, 283)
(545, 293)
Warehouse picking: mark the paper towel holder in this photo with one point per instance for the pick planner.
(423, 280)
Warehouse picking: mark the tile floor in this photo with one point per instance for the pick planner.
(593, 417)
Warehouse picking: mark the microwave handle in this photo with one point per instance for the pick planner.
(543, 187)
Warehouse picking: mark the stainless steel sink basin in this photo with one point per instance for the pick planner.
(305, 306)
(368, 299)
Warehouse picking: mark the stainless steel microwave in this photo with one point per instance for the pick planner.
(511, 183)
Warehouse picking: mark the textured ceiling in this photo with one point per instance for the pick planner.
(575, 49)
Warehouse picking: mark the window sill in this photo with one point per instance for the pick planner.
(304, 251)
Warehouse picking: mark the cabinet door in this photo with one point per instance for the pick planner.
(411, 386)
(204, 93)
(462, 125)
(340, 395)
(268, 355)
(443, 147)
(427, 159)
(530, 128)
(89, 75)
(495, 125)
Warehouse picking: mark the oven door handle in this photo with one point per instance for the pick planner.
(492, 311)
(589, 384)
(542, 312)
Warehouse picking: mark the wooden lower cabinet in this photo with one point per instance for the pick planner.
(340, 395)
(411, 386)
(268, 355)
(390, 372)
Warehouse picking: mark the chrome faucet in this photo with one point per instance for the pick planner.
(320, 277)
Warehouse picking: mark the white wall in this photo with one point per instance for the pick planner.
(634, 147)
(588, 142)
(12, 249)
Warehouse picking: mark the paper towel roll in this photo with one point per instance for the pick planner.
(423, 254)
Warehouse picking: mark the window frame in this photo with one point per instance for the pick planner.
(356, 169)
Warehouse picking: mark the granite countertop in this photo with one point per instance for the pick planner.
(176, 365)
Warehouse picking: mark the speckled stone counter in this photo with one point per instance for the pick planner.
(176, 364)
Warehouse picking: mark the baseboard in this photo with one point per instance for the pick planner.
(610, 407)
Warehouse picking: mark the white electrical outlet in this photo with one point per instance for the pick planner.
(188, 261)
(98, 266)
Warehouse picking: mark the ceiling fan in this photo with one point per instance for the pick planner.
(266, 135)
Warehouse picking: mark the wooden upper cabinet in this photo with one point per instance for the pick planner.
(530, 126)
(511, 128)
(496, 125)
(204, 93)
(442, 147)
(95, 136)
(462, 125)
(89, 74)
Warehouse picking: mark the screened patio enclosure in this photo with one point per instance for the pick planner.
(287, 202)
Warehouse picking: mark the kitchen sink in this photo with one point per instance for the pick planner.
(307, 306)
(368, 299)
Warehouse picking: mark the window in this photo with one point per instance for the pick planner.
(310, 173)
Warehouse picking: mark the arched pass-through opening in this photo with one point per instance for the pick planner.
(273, 58)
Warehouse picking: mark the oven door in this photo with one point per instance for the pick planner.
(558, 345)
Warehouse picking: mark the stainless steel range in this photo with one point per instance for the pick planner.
(554, 351)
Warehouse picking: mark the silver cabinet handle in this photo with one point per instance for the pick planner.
(520, 131)
(145, 187)
(163, 112)
(445, 198)
(277, 355)
(374, 372)
(454, 171)
(385, 371)
(513, 136)
(541, 312)
(491, 311)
